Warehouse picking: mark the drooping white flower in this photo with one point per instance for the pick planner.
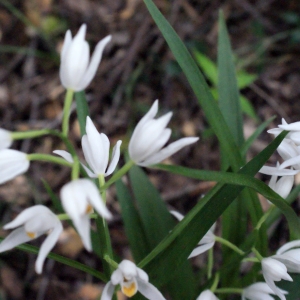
(32, 223)
(5, 139)
(95, 148)
(207, 295)
(12, 164)
(79, 197)
(274, 270)
(259, 291)
(76, 68)
(131, 279)
(149, 137)
(205, 243)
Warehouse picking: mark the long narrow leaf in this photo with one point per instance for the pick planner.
(199, 86)
(173, 251)
(82, 110)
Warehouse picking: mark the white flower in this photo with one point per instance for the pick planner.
(282, 186)
(78, 199)
(293, 128)
(290, 153)
(149, 137)
(76, 69)
(95, 148)
(32, 223)
(12, 164)
(290, 257)
(274, 270)
(5, 139)
(131, 279)
(207, 295)
(277, 171)
(259, 291)
(205, 243)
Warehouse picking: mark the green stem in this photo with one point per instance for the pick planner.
(75, 168)
(48, 158)
(251, 259)
(257, 254)
(265, 216)
(215, 283)
(229, 245)
(21, 135)
(111, 261)
(210, 263)
(64, 260)
(66, 112)
(118, 174)
(66, 217)
(102, 229)
(229, 291)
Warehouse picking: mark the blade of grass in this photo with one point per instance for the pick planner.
(82, 110)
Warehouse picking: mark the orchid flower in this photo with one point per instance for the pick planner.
(205, 243)
(95, 148)
(293, 128)
(12, 164)
(259, 291)
(274, 270)
(207, 295)
(76, 68)
(32, 223)
(149, 137)
(79, 197)
(131, 279)
(5, 139)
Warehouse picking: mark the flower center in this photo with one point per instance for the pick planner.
(31, 234)
(129, 290)
(89, 209)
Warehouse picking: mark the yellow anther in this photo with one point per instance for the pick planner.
(31, 234)
(89, 209)
(130, 290)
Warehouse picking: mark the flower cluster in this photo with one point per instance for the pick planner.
(81, 196)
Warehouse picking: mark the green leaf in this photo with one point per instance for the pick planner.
(244, 79)
(208, 67)
(248, 108)
(229, 101)
(199, 86)
(173, 251)
(64, 260)
(82, 110)
(157, 222)
(132, 223)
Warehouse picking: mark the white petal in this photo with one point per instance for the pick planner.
(290, 162)
(108, 291)
(114, 158)
(295, 137)
(288, 246)
(293, 126)
(128, 268)
(94, 63)
(291, 259)
(15, 238)
(207, 295)
(47, 246)
(5, 139)
(26, 215)
(66, 44)
(201, 249)
(142, 274)
(275, 171)
(284, 185)
(116, 277)
(82, 225)
(95, 199)
(275, 289)
(149, 290)
(137, 133)
(169, 150)
(89, 172)
(87, 152)
(177, 215)
(12, 164)
(64, 154)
